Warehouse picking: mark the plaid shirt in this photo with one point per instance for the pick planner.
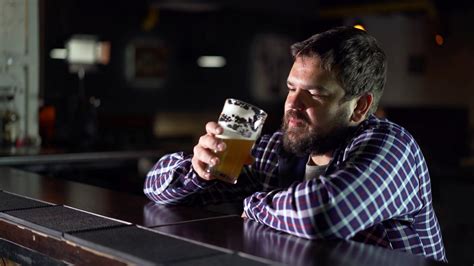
(375, 190)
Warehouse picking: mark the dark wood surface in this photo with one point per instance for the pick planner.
(235, 238)
(118, 205)
(42, 157)
(252, 238)
(46, 246)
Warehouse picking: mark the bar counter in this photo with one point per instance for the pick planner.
(69, 222)
(25, 156)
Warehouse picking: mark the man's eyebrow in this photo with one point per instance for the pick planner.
(317, 87)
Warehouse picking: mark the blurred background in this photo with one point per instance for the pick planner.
(120, 83)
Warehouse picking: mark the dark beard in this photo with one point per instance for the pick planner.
(309, 140)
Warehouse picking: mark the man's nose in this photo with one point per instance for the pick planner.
(296, 99)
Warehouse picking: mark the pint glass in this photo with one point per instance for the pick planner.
(242, 124)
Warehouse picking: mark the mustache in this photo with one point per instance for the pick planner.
(296, 115)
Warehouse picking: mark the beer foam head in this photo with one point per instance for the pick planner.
(241, 120)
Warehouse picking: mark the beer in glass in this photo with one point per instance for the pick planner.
(242, 124)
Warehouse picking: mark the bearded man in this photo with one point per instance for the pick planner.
(334, 170)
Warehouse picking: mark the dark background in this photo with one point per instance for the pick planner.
(126, 118)
(226, 29)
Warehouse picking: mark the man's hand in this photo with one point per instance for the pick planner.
(244, 216)
(204, 155)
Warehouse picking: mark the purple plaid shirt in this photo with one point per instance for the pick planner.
(375, 190)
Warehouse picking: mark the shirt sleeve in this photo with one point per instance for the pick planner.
(376, 180)
(172, 180)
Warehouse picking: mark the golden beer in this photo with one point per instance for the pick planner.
(241, 123)
(232, 159)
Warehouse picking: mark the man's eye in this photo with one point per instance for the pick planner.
(317, 96)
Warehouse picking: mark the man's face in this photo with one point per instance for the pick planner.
(316, 119)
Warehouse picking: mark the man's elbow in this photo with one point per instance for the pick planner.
(165, 197)
(321, 229)
(158, 198)
(315, 234)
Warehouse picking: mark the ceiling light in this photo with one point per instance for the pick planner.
(211, 61)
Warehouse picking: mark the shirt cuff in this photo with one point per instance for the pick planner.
(194, 182)
(251, 205)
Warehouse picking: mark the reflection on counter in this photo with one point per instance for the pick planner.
(298, 251)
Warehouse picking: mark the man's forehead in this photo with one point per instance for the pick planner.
(313, 60)
(313, 78)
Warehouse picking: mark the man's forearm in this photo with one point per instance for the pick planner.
(172, 180)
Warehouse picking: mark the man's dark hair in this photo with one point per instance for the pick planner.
(353, 56)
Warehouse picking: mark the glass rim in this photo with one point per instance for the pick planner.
(249, 104)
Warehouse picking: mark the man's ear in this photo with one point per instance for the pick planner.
(362, 107)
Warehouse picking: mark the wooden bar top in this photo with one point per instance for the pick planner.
(202, 236)
(61, 157)
(252, 238)
(118, 205)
